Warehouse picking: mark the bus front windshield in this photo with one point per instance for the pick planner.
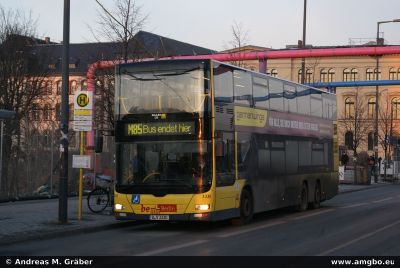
(183, 165)
(169, 91)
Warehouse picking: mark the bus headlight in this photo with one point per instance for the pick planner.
(203, 207)
(118, 207)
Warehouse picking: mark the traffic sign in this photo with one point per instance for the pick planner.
(83, 100)
(83, 117)
(83, 123)
(82, 128)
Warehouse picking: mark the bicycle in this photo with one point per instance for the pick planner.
(101, 196)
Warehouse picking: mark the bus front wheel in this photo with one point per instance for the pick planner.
(246, 207)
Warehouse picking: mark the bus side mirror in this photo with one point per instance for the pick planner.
(98, 146)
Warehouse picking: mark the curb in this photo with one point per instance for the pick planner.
(365, 188)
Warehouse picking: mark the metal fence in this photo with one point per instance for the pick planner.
(35, 170)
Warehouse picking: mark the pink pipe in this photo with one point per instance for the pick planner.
(268, 54)
(297, 53)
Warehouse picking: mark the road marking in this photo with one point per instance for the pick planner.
(355, 205)
(382, 200)
(313, 214)
(251, 229)
(162, 250)
(358, 239)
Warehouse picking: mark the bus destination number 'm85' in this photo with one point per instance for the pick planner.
(135, 129)
(164, 128)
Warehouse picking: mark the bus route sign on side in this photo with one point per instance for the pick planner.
(83, 100)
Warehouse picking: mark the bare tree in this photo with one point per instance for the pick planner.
(388, 125)
(121, 24)
(312, 64)
(240, 38)
(21, 75)
(105, 91)
(355, 120)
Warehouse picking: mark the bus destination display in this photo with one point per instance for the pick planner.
(159, 128)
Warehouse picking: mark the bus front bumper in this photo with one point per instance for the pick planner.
(205, 216)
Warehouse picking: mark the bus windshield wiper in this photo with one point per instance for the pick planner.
(182, 182)
(157, 76)
(176, 73)
(142, 79)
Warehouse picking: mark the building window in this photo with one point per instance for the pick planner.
(73, 87)
(371, 141)
(354, 75)
(274, 72)
(348, 140)
(49, 88)
(43, 88)
(371, 108)
(331, 75)
(59, 86)
(377, 71)
(46, 87)
(299, 76)
(369, 74)
(324, 75)
(98, 88)
(84, 85)
(396, 108)
(349, 108)
(46, 138)
(392, 74)
(47, 113)
(58, 111)
(35, 112)
(309, 76)
(71, 112)
(346, 74)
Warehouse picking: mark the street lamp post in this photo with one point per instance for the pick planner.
(63, 180)
(379, 42)
(303, 43)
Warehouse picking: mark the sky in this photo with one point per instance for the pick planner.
(207, 23)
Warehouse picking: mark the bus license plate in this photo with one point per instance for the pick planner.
(159, 217)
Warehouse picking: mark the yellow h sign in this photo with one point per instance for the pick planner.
(83, 100)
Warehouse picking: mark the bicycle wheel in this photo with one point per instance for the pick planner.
(98, 200)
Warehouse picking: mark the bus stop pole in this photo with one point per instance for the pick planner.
(80, 179)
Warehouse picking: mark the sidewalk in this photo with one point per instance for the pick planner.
(35, 219)
(345, 188)
(25, 220)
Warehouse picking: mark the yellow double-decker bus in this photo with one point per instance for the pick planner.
(201, 140)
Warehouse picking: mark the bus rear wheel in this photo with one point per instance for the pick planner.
(246, 207)
(317, 197)
(303, 202)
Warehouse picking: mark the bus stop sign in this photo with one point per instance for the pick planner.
(83, 100)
